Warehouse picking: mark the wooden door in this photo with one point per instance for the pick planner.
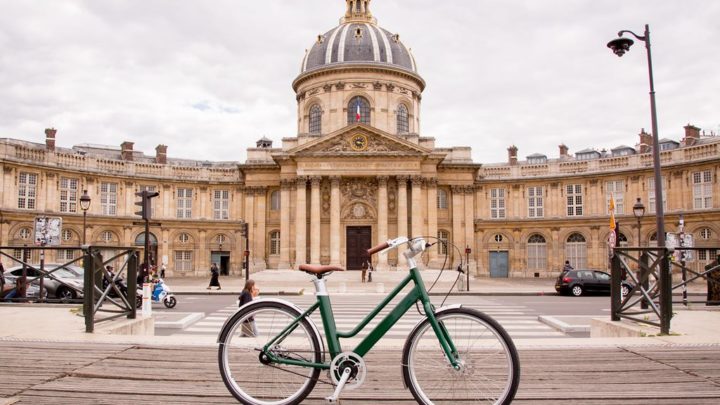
(358, 242)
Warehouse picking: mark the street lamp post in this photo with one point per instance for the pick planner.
(619, 46)
(84, 206)
(639, 212)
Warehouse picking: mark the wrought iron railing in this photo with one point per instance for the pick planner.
(101, 294)
(649, 271)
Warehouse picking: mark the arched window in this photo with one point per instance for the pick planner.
(315, 125)
(403, 126)
(275, 242)
(140, 239)
(536, 252)
(275, 201)
(107, 237)
(442, 202)
(24, 233)
(653, 240)
(183, 238)
(67, 235)
(622, 240)
(705, 233)
(442, 242)
(576, 251)
(358, 110)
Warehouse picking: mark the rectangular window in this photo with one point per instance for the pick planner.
(108, 198)
(184, 203)
(68, 194)
(183, 260)
(537, 256)
(275, 243)
(221, 204)
(27, 190)
(442, 202)
(497, 203)
(535, 202)
(616, 188)
(651, 194)
(574, 200)
(65, 255)
(702, 190)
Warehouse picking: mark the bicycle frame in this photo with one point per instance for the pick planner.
(418, 293)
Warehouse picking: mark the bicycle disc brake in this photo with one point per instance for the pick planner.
(355, 363)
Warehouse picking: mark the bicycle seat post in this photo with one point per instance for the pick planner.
(320, 286)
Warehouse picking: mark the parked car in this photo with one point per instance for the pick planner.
(579, 282)
(64, 283)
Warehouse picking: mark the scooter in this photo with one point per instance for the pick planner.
(161, 293)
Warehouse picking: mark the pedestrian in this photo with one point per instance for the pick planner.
(214, 277)
(364, 271)
(249, 292)
(162, 271)
(567, 266)
(2, 280)
(370, 270)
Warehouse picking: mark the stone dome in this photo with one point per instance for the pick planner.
(358, 40)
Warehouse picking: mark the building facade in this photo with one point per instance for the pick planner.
(357, 173)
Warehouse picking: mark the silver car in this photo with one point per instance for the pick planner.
(64, 283)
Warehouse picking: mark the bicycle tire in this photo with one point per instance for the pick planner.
(490, 371)
(253, 382)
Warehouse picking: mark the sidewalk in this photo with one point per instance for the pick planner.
(295, 282)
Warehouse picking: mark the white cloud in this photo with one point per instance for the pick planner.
(209, 78)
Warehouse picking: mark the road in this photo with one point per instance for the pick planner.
(519, 315)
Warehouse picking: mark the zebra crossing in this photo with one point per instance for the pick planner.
(518, 320)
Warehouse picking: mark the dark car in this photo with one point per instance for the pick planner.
(579, 282)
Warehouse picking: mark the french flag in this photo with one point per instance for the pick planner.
(357, 113)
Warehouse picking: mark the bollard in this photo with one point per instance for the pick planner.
(147, 300)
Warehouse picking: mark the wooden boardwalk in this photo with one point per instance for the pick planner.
(94, 373)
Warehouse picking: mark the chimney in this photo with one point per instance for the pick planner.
(50, 139)
(646, 142)
(692, 135)
(161, 154)
(126, 151)
(563, 151)
(512, 155)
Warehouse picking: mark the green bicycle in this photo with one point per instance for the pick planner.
(270, 352)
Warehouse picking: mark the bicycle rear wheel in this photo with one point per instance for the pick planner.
(490, 367)
(246, 370)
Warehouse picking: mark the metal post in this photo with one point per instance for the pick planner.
(89, 291)
(467, 267)
(132, 269)
(84, 225)
(615, 289)
(681, 238)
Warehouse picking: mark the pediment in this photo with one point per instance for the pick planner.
(359, 140)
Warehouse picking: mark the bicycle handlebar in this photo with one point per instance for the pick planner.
(378, 248)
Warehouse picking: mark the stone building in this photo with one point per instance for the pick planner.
(359, 172)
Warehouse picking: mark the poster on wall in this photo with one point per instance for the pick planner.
(47, 231)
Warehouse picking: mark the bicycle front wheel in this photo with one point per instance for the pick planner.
(489, 369)
(248, 372)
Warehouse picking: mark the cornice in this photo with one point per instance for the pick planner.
(359, 67)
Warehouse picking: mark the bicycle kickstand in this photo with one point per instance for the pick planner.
(333, 399)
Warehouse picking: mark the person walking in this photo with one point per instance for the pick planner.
(249, 292)
(162, 271)
(214, 277)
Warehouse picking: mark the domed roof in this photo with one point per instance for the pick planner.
(358, 40)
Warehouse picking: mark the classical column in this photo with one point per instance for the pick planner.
(458, 216)
(285, 224)
(261, 253)
(335, 220)
(382, 225)
(301, 222)
(432, 215)
(402, 215)
(250, 219)
(470, 226)
(417, 214)
(315, 219)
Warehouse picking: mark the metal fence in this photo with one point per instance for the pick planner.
(650, 272)
(103, 292)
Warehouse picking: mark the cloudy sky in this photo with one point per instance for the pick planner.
(210, 77)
